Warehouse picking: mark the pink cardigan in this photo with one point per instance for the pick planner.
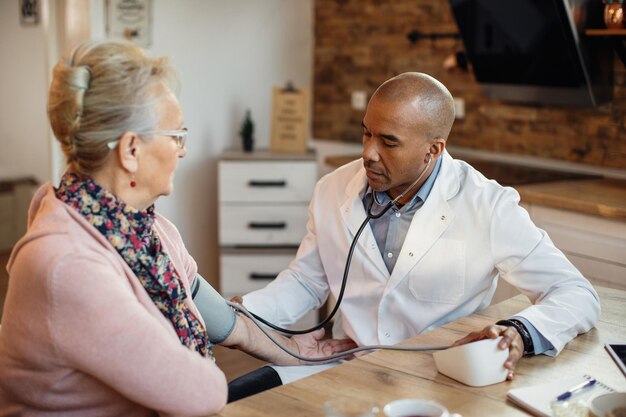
(81, 337)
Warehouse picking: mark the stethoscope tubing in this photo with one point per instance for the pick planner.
(346, 270)
(344, 282)
(334, 356)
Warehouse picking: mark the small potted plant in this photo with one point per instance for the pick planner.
(247, 132)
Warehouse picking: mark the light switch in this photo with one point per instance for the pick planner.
(359, 100)
(459, 108)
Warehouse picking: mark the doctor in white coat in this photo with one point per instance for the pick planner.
(434, 257)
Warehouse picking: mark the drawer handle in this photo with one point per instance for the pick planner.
(257, 225)
(256, 275)
(256, 183)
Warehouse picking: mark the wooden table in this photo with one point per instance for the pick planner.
(385, 376)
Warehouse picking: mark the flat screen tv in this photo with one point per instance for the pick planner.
(535, 51)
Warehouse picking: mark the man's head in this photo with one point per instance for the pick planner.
(407, 122)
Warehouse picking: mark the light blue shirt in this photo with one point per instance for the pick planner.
(390, 231)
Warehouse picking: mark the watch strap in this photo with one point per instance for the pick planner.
(529, 348)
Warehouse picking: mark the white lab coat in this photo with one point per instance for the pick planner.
(469, 233)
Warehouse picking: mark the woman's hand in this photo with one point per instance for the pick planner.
(246, 336)
(237, 299)
(510, 339)
(312, 345)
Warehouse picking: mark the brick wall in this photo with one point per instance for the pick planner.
(361, 43)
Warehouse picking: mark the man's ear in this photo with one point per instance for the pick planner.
(437, 147)
(128, 151)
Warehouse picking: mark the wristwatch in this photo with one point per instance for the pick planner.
(529, 348)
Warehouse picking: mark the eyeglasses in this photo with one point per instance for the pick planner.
(179, 136)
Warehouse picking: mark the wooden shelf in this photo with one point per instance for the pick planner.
(605, 32)
(617, 38)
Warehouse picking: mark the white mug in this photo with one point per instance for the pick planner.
(601, 405)
(416, 408)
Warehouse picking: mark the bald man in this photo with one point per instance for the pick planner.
(439, 250)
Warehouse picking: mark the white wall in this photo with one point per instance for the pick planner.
(229, 54)
(24, 144)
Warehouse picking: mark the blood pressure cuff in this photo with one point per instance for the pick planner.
(219, 318)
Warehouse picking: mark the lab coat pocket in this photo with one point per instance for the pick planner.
(439, 277)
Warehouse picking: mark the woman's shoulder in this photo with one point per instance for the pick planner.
(56, 232)
(43, 256)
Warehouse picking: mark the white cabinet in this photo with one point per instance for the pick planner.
(263, 202)
(595, 245)
(248, 270)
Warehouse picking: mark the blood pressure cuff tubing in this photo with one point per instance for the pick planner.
(219, 318)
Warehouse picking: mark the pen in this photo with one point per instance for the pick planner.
(578, 387)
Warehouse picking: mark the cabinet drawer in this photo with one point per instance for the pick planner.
(263, 181)
(262, 225)
(241, 274)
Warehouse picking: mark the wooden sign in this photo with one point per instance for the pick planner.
(290, 120)
(130, 20)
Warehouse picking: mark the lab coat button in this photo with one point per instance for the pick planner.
(443, 217)
(387, 334)
(410, 253)
(390, 255)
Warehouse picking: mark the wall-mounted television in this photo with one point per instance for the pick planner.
(535, 51)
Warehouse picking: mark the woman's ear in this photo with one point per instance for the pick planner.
(128, 151)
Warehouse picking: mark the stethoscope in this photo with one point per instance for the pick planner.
(370, 215)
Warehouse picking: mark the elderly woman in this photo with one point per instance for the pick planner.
(99, 318)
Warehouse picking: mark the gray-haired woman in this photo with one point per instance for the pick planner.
(98, 318)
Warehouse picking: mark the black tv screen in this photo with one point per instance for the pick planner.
(532, 51)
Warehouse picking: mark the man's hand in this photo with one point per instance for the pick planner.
(312, 345)
(510, 339)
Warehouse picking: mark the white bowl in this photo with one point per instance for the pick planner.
(476, 364)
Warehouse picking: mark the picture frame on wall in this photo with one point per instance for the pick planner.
(30, 10)
(130, 20)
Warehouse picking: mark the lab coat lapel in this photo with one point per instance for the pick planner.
(353, 214)
(429, 222)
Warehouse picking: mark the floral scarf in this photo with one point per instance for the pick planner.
(132, 234)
